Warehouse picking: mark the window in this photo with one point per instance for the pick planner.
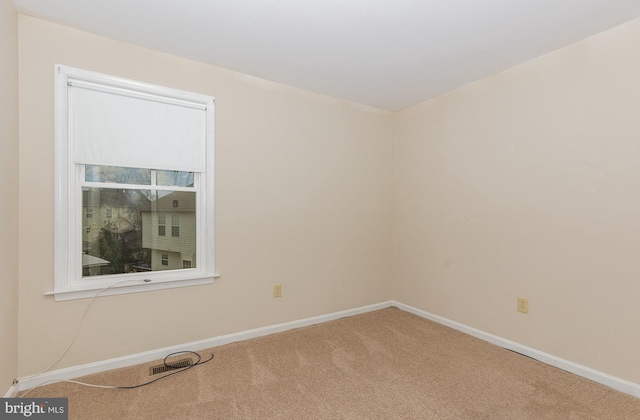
(161, 225)
(175, 225)
(186, 264)
(115, 145)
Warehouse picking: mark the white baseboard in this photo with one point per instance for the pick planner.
(586, 372)
(149, 356)
(12, 392)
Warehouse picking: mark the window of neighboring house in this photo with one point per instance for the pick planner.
(116, 148)
(186, 264)
(161, 225)
(175, 225)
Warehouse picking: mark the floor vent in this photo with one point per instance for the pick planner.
(178, 364)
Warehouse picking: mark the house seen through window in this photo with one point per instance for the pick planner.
(127, 241)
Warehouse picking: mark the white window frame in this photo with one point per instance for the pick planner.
(68, 283)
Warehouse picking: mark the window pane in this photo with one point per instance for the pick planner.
(116, 174)
(133, 238)
(174, 178)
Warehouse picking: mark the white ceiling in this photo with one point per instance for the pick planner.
(387, 54)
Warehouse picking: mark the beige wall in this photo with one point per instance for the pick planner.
(522, 184)
(9, 194)
(303, 198)
(527, 184)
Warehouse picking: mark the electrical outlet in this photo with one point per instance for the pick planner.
(277, 290)
(523, 305)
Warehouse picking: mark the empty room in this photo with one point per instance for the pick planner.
(304, 209)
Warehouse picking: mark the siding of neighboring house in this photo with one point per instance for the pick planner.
(174, 260)
(180, 248)
(178, 245)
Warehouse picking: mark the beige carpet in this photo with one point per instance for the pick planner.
(387, 364)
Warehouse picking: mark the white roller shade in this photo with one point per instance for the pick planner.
(121, 127)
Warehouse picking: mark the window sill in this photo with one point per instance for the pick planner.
(132, 287)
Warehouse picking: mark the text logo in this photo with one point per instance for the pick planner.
(34, 408)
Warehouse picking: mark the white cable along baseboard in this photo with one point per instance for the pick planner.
(159, 354)
(149, 356)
